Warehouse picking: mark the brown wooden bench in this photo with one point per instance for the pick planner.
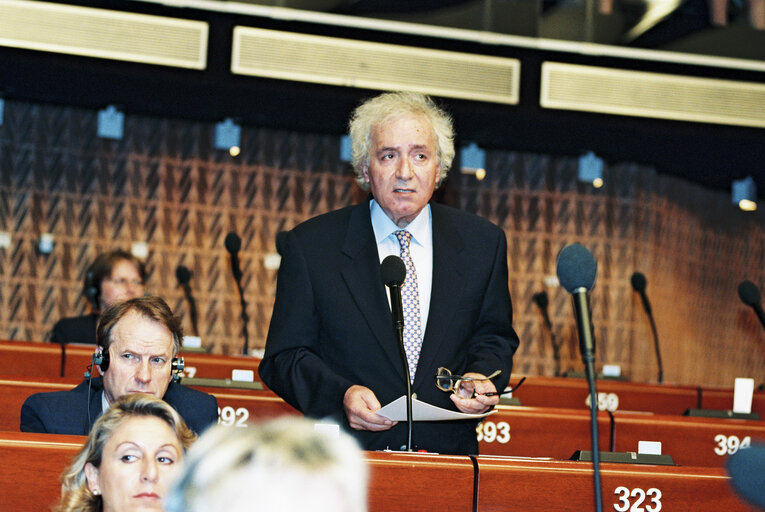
(30, 468)
(542, 486)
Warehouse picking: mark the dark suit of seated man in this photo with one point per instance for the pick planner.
(137, 342)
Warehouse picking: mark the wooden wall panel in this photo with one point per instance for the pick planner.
(164, 184)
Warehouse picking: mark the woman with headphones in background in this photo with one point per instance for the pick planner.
(113, 277)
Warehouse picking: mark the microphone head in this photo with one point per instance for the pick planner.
(393, 271)
(638, 281)
(541, 299)
(233, 243)
(747, 471)
(748, 293)
(183, 274)
(576, 268)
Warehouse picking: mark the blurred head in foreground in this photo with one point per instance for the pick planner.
(283, 464)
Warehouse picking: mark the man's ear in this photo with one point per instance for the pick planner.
(365, 172)
(91, 476)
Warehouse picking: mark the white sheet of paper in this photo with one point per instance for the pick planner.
(421, 411)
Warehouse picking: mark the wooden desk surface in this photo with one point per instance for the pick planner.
(544, 485)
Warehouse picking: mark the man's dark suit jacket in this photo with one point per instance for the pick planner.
(332, 328)
(78, 329)
(66, 412)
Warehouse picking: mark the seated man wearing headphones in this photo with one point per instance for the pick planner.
(114, 276)
(138, 341)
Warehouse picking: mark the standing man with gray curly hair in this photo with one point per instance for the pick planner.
(331, 349)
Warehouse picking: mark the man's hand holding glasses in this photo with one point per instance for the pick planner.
(472, 393)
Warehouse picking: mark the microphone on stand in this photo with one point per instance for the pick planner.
(183, 274)
(393, 274)
(639, 283)
(541, 300)
(576, 268)
(750, 295)
(233, 243)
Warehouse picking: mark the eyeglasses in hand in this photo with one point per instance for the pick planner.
(445, 381)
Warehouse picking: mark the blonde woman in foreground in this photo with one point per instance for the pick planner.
(131, 454)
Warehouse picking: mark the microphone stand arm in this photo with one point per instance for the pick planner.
(656, 346)
(192, 307)
(556, 353)
(395, 297)
(245, 319)
(587, 347)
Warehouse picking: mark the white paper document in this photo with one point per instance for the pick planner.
(421, 411)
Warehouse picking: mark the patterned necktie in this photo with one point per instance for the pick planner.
(410, 299)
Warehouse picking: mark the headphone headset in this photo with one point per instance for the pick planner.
(176, 365)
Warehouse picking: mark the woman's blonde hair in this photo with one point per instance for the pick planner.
(75, 494)
(283, 464)
(387, 107)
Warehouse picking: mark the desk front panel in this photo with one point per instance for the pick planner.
(542, 486)
(613, 395)
(540, 432)
(691, 441)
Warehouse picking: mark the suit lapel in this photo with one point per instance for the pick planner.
(94, 406)
(362, 276)
(445, 291)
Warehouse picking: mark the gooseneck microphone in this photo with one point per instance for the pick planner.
(393, 274)
(183, 274)
(750, 295)
(576, 268)
(541, 300)
(233, 243)
(639, 284)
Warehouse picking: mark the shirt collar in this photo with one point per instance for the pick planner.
(384, 227)
(104, 401)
